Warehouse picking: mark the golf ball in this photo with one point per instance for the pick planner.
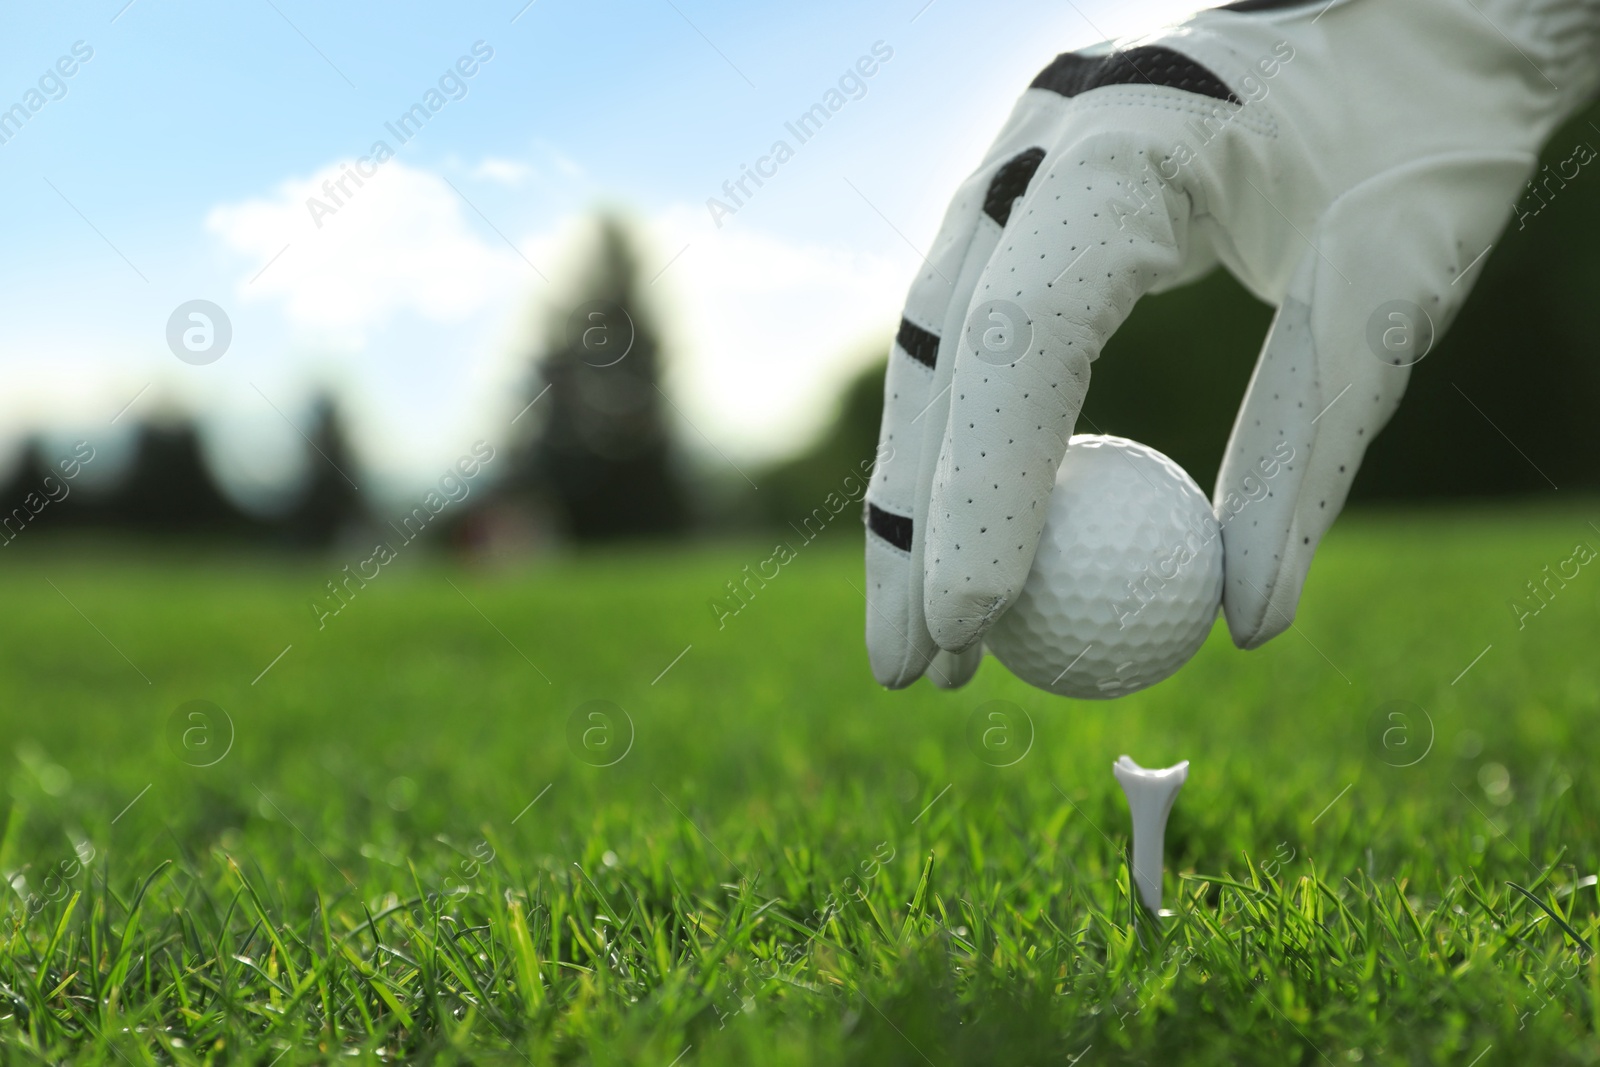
(1127, 580)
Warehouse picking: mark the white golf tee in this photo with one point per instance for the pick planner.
(1150, 795)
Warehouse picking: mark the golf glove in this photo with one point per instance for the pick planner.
(1350, 162)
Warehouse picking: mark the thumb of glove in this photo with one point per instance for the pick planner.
(1387, 267)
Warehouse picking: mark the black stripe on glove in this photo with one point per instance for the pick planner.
(1010, 182)
(921, 345)
(1071, 74)
(895, 529)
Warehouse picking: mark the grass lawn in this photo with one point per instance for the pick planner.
(401, 848)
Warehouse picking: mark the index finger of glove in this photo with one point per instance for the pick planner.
(1068, 270)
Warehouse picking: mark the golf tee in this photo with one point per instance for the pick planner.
(1150, 795)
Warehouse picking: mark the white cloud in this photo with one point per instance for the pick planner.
(564, 163)
(762, 330)
(568, 167)
(504, 171)
(400, 242)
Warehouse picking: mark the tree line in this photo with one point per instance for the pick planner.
(1502, 406)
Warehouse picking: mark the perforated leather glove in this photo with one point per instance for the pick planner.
(1349, 162)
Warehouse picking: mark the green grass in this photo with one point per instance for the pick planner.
(788, 866)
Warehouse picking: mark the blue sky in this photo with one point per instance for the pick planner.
(178, 161)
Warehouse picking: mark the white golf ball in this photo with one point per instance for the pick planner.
(1127, 580)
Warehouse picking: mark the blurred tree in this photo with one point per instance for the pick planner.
(603, 454)
(168, 489)
(23, 477)
(330, 502)
(24, 495)
(1505, 402)
(792, 489)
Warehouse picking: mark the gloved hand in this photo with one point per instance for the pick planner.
(1349, 162)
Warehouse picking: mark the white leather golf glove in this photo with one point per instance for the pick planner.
(1349, 162)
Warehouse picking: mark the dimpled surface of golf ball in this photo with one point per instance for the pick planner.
(1127, 580)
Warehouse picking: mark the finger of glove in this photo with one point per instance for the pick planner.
(952, 670)
(1066, 271)
(1388, 266)
(916, 404)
